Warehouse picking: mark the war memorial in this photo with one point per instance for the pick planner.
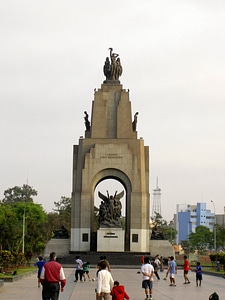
(110, 149)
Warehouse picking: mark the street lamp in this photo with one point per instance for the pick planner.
(214, 225)
(23, 236)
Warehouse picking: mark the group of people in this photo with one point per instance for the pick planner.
(51, 276)
(172, 270)
(106, 286)
(82, 270)
(150, 267)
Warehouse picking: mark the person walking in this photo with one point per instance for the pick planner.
(186, 268)
(157, 261)
(198, 270)
(52, 277)
(79, 269)
(167, 272)
(118, 292)
(104, 282)
(172, 271)
(40, 263)
(103, 258)
(161, 266)
(155, 266)
(147, 271)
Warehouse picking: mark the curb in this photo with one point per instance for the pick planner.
(17, 277)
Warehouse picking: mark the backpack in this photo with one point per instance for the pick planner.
(214, 296)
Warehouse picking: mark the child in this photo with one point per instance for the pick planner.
(40, 263)
(86, 267)
(118, 292)
(198, 271)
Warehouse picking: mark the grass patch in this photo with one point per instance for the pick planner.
(19, 271)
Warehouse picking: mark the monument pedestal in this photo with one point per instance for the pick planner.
(60, 246)
(161, 247)
(110, 240)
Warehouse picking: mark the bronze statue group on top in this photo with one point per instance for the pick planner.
(112, 68)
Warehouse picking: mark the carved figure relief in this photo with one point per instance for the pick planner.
(110, 210)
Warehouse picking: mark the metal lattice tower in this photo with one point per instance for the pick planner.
(156, 206)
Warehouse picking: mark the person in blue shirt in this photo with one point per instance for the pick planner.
(172, 270)
(40, 263)
(198, 270)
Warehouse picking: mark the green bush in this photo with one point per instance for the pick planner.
(218, 257)
(11, 259)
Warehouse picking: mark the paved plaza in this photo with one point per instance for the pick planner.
(27, 288)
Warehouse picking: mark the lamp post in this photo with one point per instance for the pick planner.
(214, 225)
(23, 236)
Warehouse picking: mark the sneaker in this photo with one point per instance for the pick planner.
(171, 284)
(188, 282)
(164, 278)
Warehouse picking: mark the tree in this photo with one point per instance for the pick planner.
(10, 232)
(220, 236)
(11, 227)
(186, 246)
(170, 233)
(36, 222)
(17, 204)
(62, 215)
(167, 229)
(63, 205)
(201, 240)
(19, 194)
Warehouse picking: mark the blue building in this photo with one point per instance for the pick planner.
(189, 217)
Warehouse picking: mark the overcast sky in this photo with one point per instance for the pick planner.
(173, 57)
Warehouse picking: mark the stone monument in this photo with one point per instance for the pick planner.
(110, 149)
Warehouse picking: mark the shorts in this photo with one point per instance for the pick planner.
(147, 284)
(86, 272)
(186, 272)
(198, 276)
(172, 275)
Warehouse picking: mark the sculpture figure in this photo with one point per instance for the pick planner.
(112, 70)
(157, 233)
(86, 121)
(134, 123)
(110, 210)
(119, 69)
(61, 233)
(107, 69)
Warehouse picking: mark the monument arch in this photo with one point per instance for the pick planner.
(126, 184)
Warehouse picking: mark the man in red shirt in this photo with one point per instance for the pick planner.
(186, 268)
(51, 275)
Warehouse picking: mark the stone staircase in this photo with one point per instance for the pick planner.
(115, 258)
